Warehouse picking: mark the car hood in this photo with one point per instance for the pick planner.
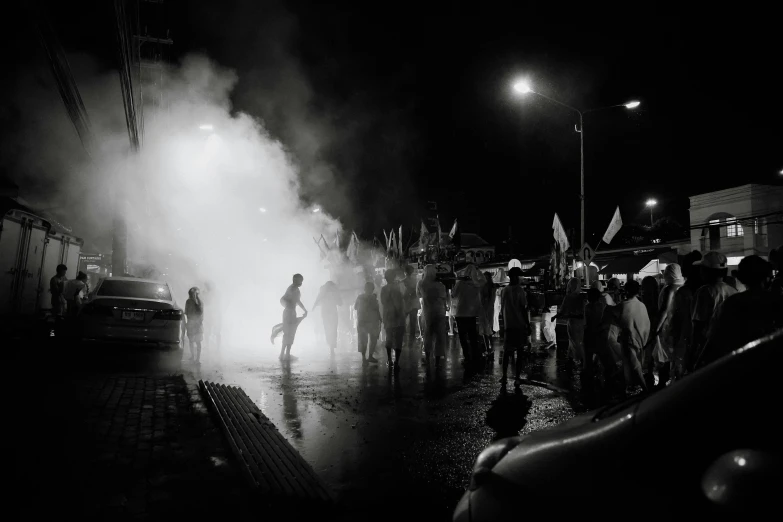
(569, 452)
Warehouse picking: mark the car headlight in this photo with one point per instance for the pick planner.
(488, 458)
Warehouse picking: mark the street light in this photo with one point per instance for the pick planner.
(651, 203)
(316, 210)
(262, 210)
(205, 127)
(524, 87)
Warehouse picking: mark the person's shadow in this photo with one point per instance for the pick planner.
(290, 410)
(508, 413)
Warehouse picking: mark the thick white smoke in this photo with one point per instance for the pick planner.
(210, 198)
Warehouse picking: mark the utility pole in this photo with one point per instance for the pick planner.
(139, 51)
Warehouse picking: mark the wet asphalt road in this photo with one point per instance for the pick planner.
(382, 443)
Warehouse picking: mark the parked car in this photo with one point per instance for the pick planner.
(132, 310)
(708, 444)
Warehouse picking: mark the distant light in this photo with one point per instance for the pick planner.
(632, 104)
(651, 203)
(205, 127)
(262, 210)
(740, 461)
(523, 87)
(781, 172)
(316, 209)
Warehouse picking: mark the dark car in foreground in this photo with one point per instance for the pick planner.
(708, 445)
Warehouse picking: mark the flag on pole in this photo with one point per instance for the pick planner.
(560, 234)
(614, 226)
(402, 254)
(424, 236)
(453, 230)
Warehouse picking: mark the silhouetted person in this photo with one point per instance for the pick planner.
(467, 293)
(330, 301)
(662, 341)
(194, 327)
(368, 322)
(634, 331)
(710, 296)
(745, 316)
(290, 300)
(433, 298)
(516, 322)
(393, 304)
(594, 312)
(412, 304)
(56, 288)
(486, 319)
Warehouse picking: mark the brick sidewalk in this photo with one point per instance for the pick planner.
(143, 448)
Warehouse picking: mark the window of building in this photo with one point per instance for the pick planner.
(733, 229)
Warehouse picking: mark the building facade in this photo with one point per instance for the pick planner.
(738, 222)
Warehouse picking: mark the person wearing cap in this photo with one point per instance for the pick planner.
(634, 333)
(745, 316)
(710, 296)
(663, 351)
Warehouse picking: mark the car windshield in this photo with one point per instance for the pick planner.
(135, 290)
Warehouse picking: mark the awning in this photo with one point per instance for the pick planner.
(627, 265)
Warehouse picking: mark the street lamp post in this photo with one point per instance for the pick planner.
(523, 87)
(651, 203)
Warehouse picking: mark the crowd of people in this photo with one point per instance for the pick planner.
(698, 315)
(423, 309)
(632, 337)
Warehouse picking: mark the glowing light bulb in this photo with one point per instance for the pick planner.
(632, 104)
(522, 87)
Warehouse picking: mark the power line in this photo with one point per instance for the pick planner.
(61, 69)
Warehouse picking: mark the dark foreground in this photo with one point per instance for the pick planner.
(121, 433)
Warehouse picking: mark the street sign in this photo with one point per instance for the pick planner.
(586, 254)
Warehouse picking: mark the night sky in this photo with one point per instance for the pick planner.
(410, 102)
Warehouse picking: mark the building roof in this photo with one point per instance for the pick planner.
(741, 189)
(470, 240)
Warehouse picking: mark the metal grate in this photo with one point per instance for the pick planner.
(272, 464)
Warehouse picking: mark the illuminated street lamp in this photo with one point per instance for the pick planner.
(524, 87)
(651, 203)
(316, 210)
(205, 127)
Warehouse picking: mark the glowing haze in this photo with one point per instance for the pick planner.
(193, 196)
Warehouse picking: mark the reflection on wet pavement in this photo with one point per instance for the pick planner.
(363, 427)
(421, 430)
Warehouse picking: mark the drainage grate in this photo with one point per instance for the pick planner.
(272, 464)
